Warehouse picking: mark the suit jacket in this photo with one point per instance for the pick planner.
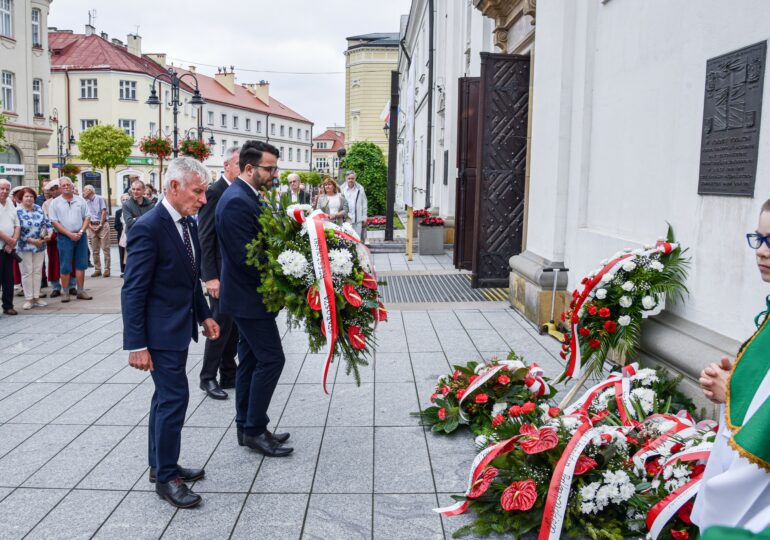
(118, 223)
(162, 300)
(237, 224)
(303, 197)
(211, 260)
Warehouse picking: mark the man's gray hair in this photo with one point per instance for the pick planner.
(231, 151)
(351, 172)
(183, 168)
(88, 187)
(5, 181)
(293, 176)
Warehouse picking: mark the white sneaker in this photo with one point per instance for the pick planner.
(37, 302)
(27, 305)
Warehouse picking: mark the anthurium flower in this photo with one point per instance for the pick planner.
(357, 340)
(481, 485)
(537, 440)
(314, 299)
(497, 420)
(520, 495)
(584, 464)
(369, 282)
(380, 313)
(351, 295)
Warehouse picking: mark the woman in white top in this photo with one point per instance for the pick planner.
(332, 202)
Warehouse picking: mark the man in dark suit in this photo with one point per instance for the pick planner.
(162, 305)
(218, 355)
(260, 353)
(296, 195)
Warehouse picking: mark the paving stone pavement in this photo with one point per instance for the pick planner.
(73, 438)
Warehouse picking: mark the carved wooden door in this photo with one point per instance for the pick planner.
(467, 161)
(502, 156)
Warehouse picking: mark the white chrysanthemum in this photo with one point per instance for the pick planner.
(628, 286)
(570, 423)
(667, 472)
(587, 507)
(499, 408)
(624, 320)
(637, 251)
(625, 301)
(680, 471)
(629, 266)
(655, 484)
(657, 266)
(293, 263)
(648, 302)
(601, 294)
(645, 397)
(645, 377)
(341, 262)
(588, 492)
(606, 278)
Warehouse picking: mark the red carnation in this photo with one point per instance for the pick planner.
(460, 393)
(528, 407)
(481, 485)
(604, 312)
(433, 397)
(680, 535)
(537, 440)
(592, 310)
(514, 411)
(583, 331)
(497, 420)
(314, 299)
(610, 326)
(472, 379)
(520, 495)
(351, 295)
(684, 512)
(553, 412)
(482, 398)
(442, 413)
(676, 448)
(456, 374)
(445, 390)
(584, 464)
(503, 379)
(594, 343)
(356, 338)
(574, 319)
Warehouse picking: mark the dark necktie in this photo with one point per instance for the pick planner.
(187, 244)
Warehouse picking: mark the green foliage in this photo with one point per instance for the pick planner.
(309, 178)
(3, 119)
(105, 146)
(367, 159)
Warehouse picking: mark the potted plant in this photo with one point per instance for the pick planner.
(431, 236)
(195, 148)
(158, 146)
(419, 214)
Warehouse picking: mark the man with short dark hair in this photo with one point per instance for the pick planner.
(136, 206)
(218, 355)
(260, 353)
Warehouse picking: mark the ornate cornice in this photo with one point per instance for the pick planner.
(505, 14)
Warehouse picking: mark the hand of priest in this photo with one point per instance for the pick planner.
(713, 380)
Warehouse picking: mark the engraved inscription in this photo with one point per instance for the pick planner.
(731, 118)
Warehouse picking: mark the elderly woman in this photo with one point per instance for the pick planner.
(35, 234)
(735, 490)
(332, 202)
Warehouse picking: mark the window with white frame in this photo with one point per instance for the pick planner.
(283, 154)
(153, 127)
(88, 89)
(291, 132)
(7, 90)
(291, 154)
(224, 146)
(168, 99)
(210, 120)
(37, 97)
(6, 18)
(128, 90)
(320, 145)
(307, 134)
(248, 124)
(283, 130)
(259, 126)
(307, 156)
(336, 163)
(235, 122)
(37, 40)
(127, 126)
(272, 129)
(320, 163)
(87, 123)
(235, 143)
(224, 120)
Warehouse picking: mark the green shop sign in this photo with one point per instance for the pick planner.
(140, 161)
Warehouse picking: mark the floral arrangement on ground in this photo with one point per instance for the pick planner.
(324, 277)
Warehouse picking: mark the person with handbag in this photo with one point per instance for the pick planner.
(34, 236)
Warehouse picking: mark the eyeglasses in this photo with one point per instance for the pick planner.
(271, 170)
(756, 240)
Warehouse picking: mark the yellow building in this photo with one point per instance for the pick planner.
(369, 60)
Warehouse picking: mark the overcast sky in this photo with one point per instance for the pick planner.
(285, 35)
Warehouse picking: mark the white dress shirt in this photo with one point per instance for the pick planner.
(176, 216)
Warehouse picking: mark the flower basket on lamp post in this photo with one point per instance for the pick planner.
(195, 148)
(158, 146)
(431, 236)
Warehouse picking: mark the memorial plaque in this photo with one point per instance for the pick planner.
(731, 118)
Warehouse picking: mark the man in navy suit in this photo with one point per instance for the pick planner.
(260, 353)
(162, 305)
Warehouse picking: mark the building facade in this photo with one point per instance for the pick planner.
(24, 87)
(369, 60)
(325, 148)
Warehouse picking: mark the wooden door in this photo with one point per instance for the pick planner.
(467, 160)
(502, 157)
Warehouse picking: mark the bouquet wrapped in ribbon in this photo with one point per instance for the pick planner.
(325, 278)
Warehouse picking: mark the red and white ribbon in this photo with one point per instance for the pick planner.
(683, 427)
(664, 510)
(535, 382)
(510, 365)
(621, 382)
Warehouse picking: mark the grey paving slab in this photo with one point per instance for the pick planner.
(488, 340)
(294, 473)
(198, 443)
(312, 370)
(122, 467)
(451, 457)
(291, 368)
(346, 449)
(19, 362)
(78, 515)
(24, 460)
(393, 367)
(23, 508)
(214, 413)
(394, 404)
(4, 492)
(12, 435)
(473, 319)
(406, 517)
(74, 461)
(401, 463)
(35, 371)
(338, 516)
(130, 410)
(72, 368)
(215, 518)
(230, 468)
(307, 406)
(268, 515)
(139, 515)
(8, 388)
(104, 370)
(54, 404)
(94, 405)
(352, 405)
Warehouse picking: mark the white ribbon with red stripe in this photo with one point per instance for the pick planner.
(510, 365)
(535, 382)
(621, 381)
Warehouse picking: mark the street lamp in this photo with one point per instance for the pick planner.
(61, 134)
(174, 80)
(199, 132)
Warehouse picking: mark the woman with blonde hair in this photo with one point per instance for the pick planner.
(331, 201)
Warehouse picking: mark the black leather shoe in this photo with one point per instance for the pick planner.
(212, 388)
(187, 475)
(177, 494)
(55, 293)
(265, 443)
(280, 438)
(226, 383)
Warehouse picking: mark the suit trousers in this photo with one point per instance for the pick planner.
(167, 411)
(6, 278)
(219, 355)
(260, 362)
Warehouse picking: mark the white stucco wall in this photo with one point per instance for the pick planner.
(618, 111)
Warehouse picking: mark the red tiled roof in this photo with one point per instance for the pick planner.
(336, 137)
(212, 91)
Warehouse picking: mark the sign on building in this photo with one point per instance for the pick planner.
(12, 169)
(140, 161)
(731, 117)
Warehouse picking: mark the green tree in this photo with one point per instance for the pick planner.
(3, 119)
(367, 160)
(309, 178)
(105, 147)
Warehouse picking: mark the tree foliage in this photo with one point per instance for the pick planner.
(3, 119)
(368, 161)
(309, 178)
(105, 146)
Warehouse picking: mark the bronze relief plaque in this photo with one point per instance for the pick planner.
(731, 117)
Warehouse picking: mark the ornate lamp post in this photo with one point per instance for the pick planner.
(174, 80)
(200, 130)
(61, 134)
